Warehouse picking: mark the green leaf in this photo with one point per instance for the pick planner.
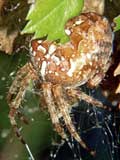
(48, 18)
(117, 22)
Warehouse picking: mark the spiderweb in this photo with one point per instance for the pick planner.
(97, 128)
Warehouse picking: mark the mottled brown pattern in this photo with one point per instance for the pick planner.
(59, 69)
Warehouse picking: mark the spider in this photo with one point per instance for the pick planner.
(58, 71)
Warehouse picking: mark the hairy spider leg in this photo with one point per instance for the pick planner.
(14, 104)
(22, 117)
(14, 91)
(63, 107)
(16, 85)
(76, 93)
(47, 92)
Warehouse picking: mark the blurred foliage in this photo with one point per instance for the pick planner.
(117, 23)
(48, 18)
(38, 132)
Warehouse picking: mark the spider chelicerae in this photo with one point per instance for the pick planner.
(59, 70)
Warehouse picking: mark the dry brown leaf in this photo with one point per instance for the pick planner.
(1, 4)
(12, 21)
(6, 41)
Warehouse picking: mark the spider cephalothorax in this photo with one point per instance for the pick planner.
(61, 68)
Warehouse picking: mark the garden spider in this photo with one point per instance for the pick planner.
(59, 70)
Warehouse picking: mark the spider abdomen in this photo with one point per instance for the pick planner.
(85, 56)
(57, 69)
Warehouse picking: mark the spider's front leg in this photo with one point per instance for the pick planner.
(54, 113)
(76, 93)
(64, 109)
(16, 94)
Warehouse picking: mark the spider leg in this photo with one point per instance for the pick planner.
(16, 93)
(15, 96)
(64, 109)
(15, 104)
(15, 85)
(47, 92)
(83, 96)
(22, 117)
(95, 81)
